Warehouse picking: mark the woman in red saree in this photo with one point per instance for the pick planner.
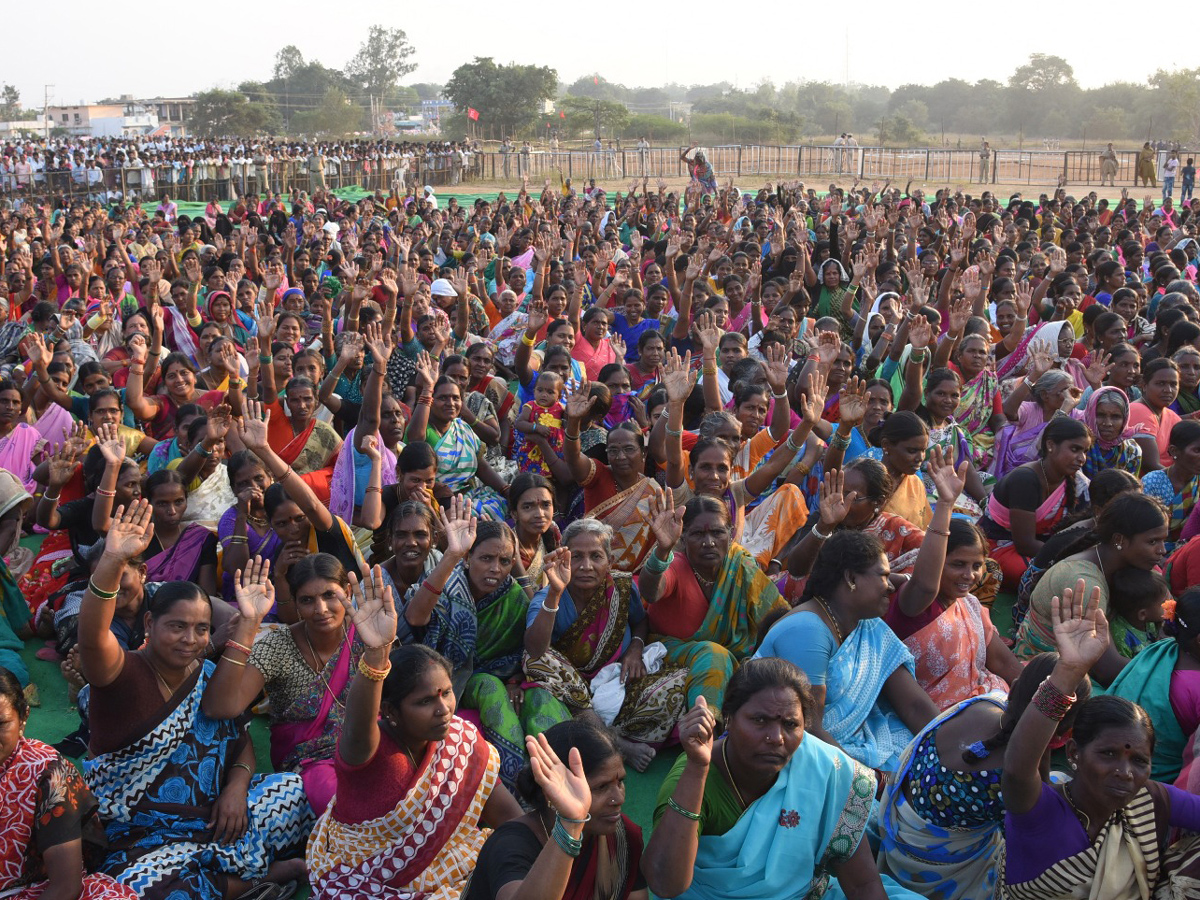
(50, 828)
(415, 783)
(305, 668)
(179, 381)
(310, 447)
(617, 493)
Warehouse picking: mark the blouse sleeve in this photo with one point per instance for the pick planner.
(63, 802)
(803, 640)
(1185, 808)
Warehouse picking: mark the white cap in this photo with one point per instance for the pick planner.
(331, 228)
(441, 287)
(428, 189)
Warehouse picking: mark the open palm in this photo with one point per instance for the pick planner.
(130, 532)
(1080, 628)
(565, 787)
(373, 610)
(254, 589)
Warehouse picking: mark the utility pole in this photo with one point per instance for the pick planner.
(46, 110)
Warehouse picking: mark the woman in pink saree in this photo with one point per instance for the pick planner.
(23, 443)
(305, 668)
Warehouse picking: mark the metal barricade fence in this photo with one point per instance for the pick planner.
(212, 180)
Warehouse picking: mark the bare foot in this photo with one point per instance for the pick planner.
(285, 870)
(637, 754)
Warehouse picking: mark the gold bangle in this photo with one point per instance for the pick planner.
(371, 673)
(230, 659)
(527, 340)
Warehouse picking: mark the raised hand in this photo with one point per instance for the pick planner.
(427, 370)
(834, 502)
(852, 402)
(565, 787)
(557, 569)
(458, 526)
(777, 357)
(352, 345)
(677, 376)
(254, 589)
(1041, 359)
(112, 447)
(618, 345)
(1080, 628)
(829, 345)
(578, 404)
(948, 480)
(62, 466)
(666, 520)
(370, 447)
(1097, 370)
(130, 532)
(372, 609)
(538, 315)
(252, 426)
(709, 333)
(696, 731)
(920, 332)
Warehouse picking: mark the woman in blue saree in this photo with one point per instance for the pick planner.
(185, 814)
(868, 702)
(767, 812)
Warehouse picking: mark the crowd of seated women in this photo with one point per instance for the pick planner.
(479, 509)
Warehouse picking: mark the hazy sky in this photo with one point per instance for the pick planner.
(806, 41)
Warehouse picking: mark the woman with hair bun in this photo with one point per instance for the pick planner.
(185, 813)
(575, 843)
(941, 819)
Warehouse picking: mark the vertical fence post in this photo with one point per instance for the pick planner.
(927, 155)
(739, 160)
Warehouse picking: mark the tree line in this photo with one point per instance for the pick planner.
(1041, 99)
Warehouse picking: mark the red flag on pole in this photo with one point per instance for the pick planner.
(595, 79)
(473, 114)
(561, 114)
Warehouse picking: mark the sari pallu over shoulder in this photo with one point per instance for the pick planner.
(156, 796)
(425, 848)
(939, 863)
(787, 843)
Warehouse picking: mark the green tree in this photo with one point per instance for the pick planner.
(217, 113)
(1178, 97)
(596, 87)
(382, 60)
(336, 116)
(304, 89)
(509, 98)
(584, 113)
(288, 61)
(1043, 72)
(427, 91)
(10, 103)
(655, 128)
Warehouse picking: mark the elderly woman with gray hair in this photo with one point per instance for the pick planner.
(585, 642)
(1052, 382)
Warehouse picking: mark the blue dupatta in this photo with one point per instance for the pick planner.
(856, 716)
(787, 843)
